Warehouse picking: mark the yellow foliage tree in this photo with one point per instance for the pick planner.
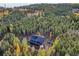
(25, 47)
(41, 52)
(17, 49)
(76, 14)
(52, 48)
(15, 40)
(16, 45)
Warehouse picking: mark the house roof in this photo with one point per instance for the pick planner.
(75, 10)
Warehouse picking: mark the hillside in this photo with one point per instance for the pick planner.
(57, 9)
(56, 22)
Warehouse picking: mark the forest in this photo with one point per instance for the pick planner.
(57, 22)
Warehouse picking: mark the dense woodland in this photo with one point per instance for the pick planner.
(16, 28)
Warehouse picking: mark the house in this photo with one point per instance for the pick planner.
(36, 41)
(75, 12)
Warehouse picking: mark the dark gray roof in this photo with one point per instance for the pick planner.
(75, 10)
(39, 36)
